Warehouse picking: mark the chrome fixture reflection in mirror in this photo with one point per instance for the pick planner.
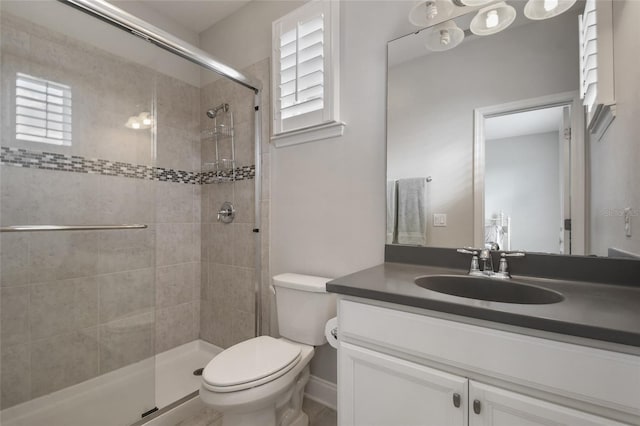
(492, 19)
(545, 9)
(443, 36)
(426, 13)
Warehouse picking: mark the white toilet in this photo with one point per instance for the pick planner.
(260, 382)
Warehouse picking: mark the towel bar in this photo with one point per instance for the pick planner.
(35, 228)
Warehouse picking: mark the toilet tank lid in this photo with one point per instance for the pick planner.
(301, 282)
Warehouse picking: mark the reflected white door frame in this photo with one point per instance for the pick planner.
(578, 161)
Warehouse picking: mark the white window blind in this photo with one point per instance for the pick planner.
(305, 68)
(302, 68)
(588, 56)
(43, 110)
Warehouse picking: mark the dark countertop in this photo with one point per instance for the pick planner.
(605, 312)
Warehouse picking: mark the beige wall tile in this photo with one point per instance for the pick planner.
(62, 306)
(175, 243)
(218, 241)
(16, 375)
(177, 148)
(174, 284)
(63, 360)
(126, 293)
(125, 341)
(174, 326)
(15, 195)
(126, 200)
(14, 259)
(63, 198)
(125, 250)
(243, 245)
(174, 202)
(244, 202)
(14, 316)
(62, 255)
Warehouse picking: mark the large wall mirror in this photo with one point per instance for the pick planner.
(487, 144)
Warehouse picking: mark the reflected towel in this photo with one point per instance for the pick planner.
(392, 209)
(412, 211)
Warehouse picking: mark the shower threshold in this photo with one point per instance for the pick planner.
(121, 396)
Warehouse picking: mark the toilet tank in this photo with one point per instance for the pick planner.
(304, 307)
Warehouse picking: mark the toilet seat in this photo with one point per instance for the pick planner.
(250, 363)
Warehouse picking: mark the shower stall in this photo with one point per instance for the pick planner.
(117, 280)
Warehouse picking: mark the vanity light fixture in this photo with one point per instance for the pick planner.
(426, 13)
(492, 19)
(443, 36)
(545, 9)
(140, 121)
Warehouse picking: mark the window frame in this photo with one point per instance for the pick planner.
(321, 123)
(54, 117)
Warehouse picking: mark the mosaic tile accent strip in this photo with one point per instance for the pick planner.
(241, 173)
(19, 157)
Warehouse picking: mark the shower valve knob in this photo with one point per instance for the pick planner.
(227, 213)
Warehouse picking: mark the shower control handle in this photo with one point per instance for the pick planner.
(227, 213)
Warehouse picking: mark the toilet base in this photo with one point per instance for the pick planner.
(266, 417)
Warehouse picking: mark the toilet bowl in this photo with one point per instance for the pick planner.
(261, 381)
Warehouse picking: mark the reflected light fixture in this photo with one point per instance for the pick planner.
(443, 36)
(493, 19)
(545, 9)
(474, 3)
(141, 121)
(426, 13)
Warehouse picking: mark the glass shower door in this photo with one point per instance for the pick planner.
(78, 149)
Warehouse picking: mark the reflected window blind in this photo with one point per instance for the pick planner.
(43, 110)
(302, 68)
(588, 56)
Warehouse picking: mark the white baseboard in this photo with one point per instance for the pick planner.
(322, 391)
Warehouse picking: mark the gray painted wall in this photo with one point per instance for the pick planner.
(614, 160)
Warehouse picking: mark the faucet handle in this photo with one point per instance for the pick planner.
(475, 264)
(503, 269)
(468, 250)
(513, 254)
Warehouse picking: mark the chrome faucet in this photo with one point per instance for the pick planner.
(487, 262)
(483, 257)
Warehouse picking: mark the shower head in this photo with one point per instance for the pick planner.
(214, 111)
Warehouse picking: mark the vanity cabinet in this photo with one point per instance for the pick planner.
(407, 369)
(500, 407)
(378, 389)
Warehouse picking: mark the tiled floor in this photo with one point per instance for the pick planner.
(319, 415)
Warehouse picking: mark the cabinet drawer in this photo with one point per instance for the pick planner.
(595, 376)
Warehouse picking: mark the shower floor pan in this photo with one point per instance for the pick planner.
(118, 398)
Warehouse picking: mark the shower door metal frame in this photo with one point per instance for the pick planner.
(138, 27)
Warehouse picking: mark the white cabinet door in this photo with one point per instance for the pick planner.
(491, 406)
(381, 390)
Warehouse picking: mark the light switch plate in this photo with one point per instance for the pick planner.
(439, 219)
(627, 221)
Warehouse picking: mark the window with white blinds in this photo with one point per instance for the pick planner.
(43, 110)
(588, 56)
(302, 68)
(305, 59)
